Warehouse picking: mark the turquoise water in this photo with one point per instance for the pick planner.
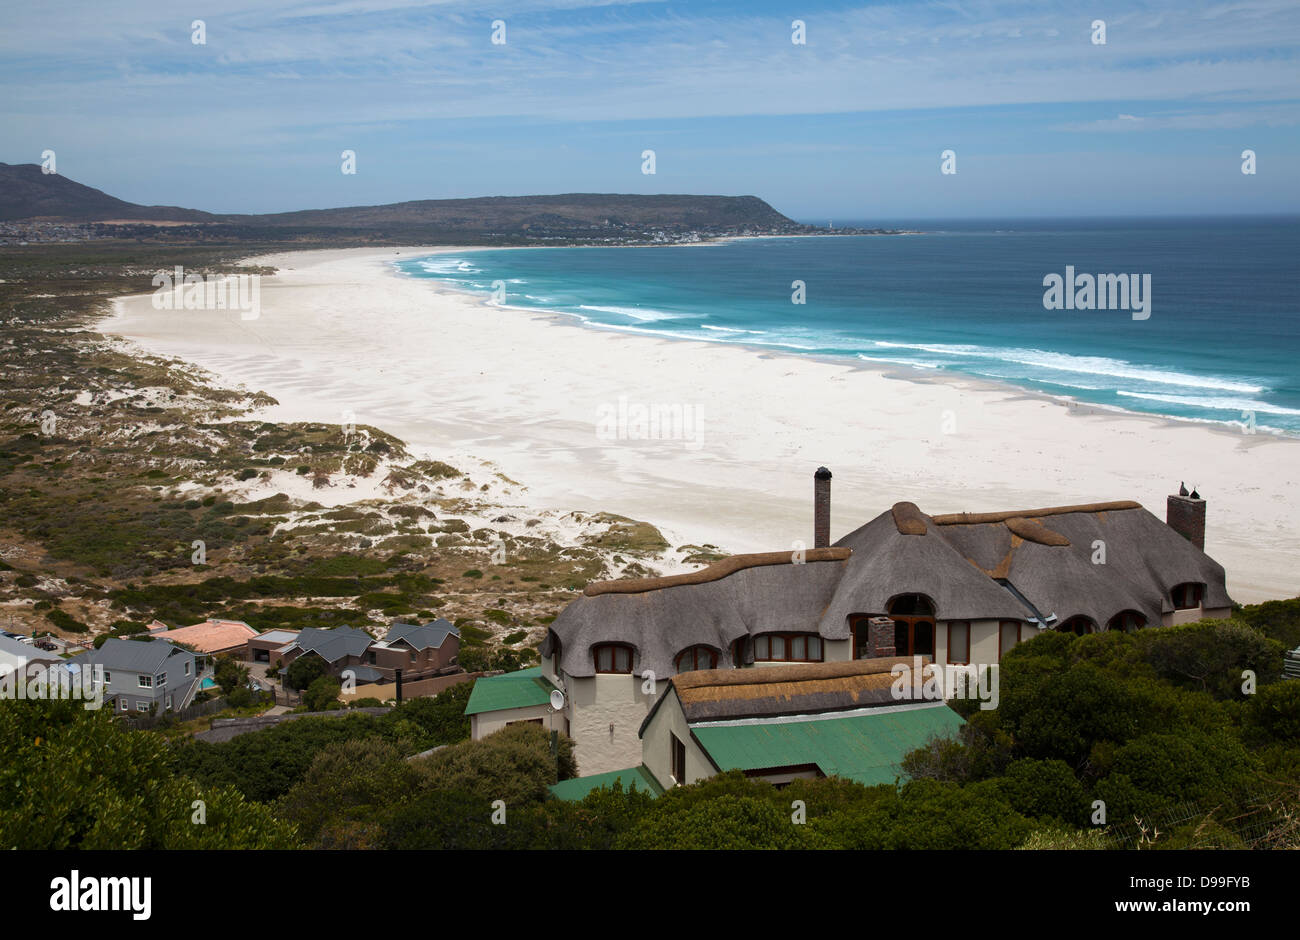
(207, 683)
(1220, 343)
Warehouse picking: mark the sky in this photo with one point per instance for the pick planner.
(850, 124)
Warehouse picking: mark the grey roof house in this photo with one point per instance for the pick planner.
(418, 650)
(141, 674)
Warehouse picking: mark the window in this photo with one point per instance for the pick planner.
(370, 658)
(959, 642)
(122, 703)
(162, 679)
(678, 759)
(107, 677)
(613, 657)
(412, 656)
(697, 657)
(1077, 625)
(1186, 596)
(916, 605)
(914, 629)
(1008, 636)
(187, 669)
(142, 706)
(788, 648)
(1127, 621)
(145, 682)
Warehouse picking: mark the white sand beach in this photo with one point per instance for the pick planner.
(340, 331)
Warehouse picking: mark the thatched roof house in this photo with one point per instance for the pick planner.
(1082, 564)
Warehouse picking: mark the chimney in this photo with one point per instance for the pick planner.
(881, 637)
(1186, 516)
(821, 508)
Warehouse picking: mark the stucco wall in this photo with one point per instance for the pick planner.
(656, 745)
(484, 723)
(983, 641)
(596, 703)
(1190, 615)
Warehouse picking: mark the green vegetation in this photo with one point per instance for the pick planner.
(264, 765)
(76, 779)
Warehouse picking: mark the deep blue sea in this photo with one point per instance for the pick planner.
(1221, 343)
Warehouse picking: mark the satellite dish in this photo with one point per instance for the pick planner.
(557, 700)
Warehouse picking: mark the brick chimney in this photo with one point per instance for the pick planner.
(881, 636)
(1186, 516)
(821, 508)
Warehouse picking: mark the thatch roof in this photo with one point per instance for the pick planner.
(713, 572)
(955, 560)
(659, 624)
(767, 691)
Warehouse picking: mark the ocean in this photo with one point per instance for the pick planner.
(1219, 341)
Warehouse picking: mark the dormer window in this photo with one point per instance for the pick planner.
(1127, 621)
(613, 658)
(697, 657)
(1187, 596)
(1077, 625)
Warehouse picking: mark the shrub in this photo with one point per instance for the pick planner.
(322, 694)
(1045, 789)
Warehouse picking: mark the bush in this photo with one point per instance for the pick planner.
(66, 622)
(1045, 789)
(1273, 714)
(322, 694)
(304, 670)
(513, 764)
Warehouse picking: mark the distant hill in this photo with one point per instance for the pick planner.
(28, 194)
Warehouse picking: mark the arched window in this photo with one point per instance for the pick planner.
(1127, 621)
(788, 648)
(1077, 625)
(1188, 595)
(697, 657)
(912, 605)
(913, 616)
(613, 657)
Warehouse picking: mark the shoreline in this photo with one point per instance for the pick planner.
(898, 370)
(769, 416)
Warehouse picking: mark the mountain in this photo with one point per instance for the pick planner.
(28, 194)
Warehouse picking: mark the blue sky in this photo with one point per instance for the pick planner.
(849, 126)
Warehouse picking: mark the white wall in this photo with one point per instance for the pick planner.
(595, 704)
(657, 744)
(484, 723)
(983, 641)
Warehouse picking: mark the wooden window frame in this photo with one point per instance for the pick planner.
(695, 652)
(958, 662)
(786, 641)
(614, 648)
(1092, 628)
(678, 759)
(1123, 627)
(1198, 595)
(1020, 636)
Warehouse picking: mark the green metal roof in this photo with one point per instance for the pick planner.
(577, 788)
(511, 690)
(867, 748)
